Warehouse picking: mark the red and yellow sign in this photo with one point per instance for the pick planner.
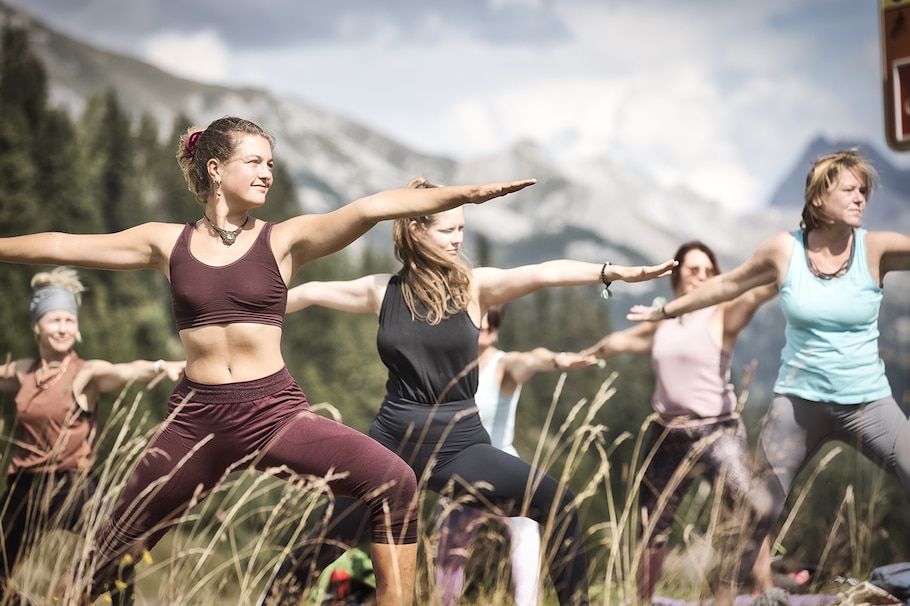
(895, 21)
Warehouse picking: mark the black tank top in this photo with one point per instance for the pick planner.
(422, 359)
(250, 289)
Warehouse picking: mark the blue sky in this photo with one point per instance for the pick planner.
(716, 95)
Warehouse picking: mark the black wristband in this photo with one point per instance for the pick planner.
(606, 294)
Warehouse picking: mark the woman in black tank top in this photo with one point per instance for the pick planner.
(429, 313)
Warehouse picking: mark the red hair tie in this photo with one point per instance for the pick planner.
(192, 140)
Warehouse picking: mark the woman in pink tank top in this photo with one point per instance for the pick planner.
(695, 407)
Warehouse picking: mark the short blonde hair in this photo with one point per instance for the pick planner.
(824, 176)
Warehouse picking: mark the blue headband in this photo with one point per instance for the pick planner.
(52, 298)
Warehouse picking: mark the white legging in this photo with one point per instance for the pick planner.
(792, 432)
(457, 526)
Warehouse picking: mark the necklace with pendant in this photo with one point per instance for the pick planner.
(227, 236)
(46, 370)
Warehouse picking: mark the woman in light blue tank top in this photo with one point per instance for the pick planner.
(831, 384)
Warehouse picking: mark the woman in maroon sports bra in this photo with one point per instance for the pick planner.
(229, 274)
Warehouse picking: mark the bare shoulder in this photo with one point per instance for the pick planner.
(96, 366)
(887, 241)
(512, 357)
(775, 251)
(887, 251)
(155, 230)
(780, 241)
(89, 371)
(486, 274)
(379, 283)
(296, 228)
(292, 224)
(161, 237)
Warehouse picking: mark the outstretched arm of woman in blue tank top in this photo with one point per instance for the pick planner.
(639, 339)
(766, 266)
(892, 250)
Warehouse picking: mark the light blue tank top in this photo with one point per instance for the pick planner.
(831, 351)
(497, 410)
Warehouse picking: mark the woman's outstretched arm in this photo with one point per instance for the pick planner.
(497, 286)
(309, 237)
(145, 246)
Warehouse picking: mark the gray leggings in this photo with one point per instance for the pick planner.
(792, 432)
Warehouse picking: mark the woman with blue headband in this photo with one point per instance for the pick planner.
(50, 478)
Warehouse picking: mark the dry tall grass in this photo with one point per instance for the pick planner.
(226, 548)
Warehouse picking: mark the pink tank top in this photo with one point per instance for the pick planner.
(692, 371)
(250, 289)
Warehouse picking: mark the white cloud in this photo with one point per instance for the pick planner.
(202, 56)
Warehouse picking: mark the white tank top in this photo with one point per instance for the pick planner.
(497, 411)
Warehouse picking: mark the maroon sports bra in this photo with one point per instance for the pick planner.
(250, 289)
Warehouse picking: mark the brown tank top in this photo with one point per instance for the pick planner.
(52, 432)
(250, 289)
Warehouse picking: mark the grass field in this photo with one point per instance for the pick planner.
(224, 551)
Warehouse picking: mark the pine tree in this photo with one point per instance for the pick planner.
(23, 98)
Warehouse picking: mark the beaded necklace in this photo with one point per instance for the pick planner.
(844, 267)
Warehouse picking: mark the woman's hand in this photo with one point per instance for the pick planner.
(565, 360)
(645, 313)
(488, 191)
(641, 273)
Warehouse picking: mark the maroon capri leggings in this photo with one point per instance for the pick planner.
(212, 430)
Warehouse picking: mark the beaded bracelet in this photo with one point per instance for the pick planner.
(606, 294)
